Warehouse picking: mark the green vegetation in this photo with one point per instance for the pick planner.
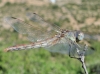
(41, 61)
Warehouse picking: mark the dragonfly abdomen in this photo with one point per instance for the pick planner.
(20, 47)
(23, 47)
(44, 43)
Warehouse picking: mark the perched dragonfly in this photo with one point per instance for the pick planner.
(46, 35)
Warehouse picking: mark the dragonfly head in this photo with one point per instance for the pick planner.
(79, 36)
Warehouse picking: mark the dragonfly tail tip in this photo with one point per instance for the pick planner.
(6, 50)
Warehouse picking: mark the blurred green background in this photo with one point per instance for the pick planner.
(81, 15)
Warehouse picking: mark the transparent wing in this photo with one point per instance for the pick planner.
(64, 46)
(45, 28)
(36, 18)
(38, 30)
(89, 50)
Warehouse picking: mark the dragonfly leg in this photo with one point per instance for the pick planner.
(81, 56)
(85, 47)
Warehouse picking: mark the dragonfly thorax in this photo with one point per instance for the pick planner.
(67, 35)
(74, 36)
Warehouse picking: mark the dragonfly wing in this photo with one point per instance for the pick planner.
(37, 30)
(36, 18)
(45, 29)
(88, 51)
(17, 24)
(62, 46)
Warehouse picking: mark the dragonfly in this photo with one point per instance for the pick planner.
(46, 35)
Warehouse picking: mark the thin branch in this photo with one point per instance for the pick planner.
(84, 67)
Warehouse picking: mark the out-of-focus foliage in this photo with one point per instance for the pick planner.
(84, 17)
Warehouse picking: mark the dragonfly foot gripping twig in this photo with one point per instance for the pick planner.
(81, 58)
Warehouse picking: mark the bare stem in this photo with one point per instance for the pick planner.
(84, 67)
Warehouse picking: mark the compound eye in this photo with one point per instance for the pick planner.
(80, 36)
